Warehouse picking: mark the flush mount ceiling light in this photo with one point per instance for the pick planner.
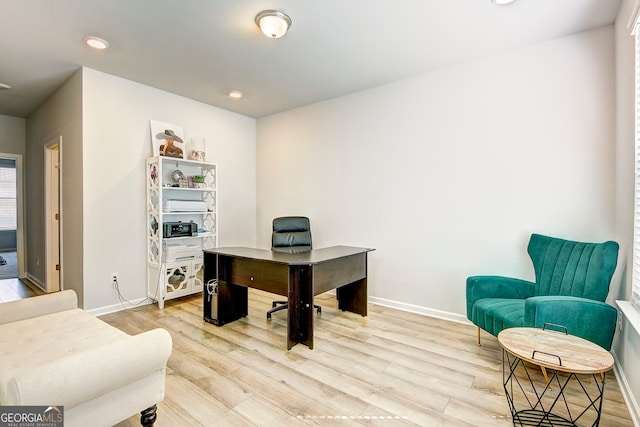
(502, 2)
(4, 86)
(235, 94)
(96, 42)
(273, 23)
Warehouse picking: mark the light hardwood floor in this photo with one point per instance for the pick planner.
(15, 289)
(390, 368)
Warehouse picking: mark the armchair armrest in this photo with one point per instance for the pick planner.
(589, 319)
(85, 375)
(38, 306)
(479, 287)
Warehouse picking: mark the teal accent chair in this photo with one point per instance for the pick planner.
(572, 283)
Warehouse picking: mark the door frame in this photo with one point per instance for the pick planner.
(20, 250)
(53, 227)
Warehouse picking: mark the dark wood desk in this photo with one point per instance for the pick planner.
(299, 277)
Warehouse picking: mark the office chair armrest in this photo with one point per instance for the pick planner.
(480, 287)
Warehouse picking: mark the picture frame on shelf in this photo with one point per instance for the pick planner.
(167, 139)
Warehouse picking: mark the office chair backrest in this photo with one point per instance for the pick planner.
(568, 268)
(291, 234)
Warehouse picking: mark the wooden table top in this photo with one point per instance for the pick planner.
(314, 256)
(556, 350)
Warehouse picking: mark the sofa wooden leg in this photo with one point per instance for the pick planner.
(149, 416)
(478, 335)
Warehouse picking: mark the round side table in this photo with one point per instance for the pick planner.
(571, 396)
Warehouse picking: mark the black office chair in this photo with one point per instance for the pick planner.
(291, 234)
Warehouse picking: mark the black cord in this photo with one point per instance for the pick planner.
(124, 301)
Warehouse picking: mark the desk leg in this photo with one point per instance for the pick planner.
(300, 311)
(225, 302)
(353, 297)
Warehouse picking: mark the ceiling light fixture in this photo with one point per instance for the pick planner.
(502, 2)
(273, 23)
(96, 42)
(4, 86)
(235, 94)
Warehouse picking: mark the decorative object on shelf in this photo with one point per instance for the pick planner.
(176, 176)
(197, 149)
(154, 173)
(167, 139)
(198, 181)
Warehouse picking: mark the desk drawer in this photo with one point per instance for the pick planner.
(262, 275)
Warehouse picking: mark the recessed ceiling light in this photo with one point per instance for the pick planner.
(235, 94)
(4, 86)
(96, 42)
(502, 2)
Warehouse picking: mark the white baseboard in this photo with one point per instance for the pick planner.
(632, 403)
(36, 282)
(108, 309)
(420, 310)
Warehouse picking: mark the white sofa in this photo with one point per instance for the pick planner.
(54, 354)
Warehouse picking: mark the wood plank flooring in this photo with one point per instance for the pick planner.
(390, 368)
(15, 289)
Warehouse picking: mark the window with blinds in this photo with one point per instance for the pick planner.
(8, 214)
(635, 297)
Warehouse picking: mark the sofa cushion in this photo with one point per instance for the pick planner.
(32, 342)
(495, 314)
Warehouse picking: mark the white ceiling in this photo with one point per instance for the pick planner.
(203, 48)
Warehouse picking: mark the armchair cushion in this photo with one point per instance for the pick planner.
(481, 287)
(496, 314)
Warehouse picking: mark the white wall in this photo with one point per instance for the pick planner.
(117, 142)
(104, 124)
(12, 135)
(58, 115)
(626, 345)
(447, 174)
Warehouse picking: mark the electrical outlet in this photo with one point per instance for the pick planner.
(114, 278)
(619, 321)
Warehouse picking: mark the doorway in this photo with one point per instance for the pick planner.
(11, 217)
(11, 229)
(53, 215)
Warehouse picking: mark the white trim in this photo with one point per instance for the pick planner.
(114, 308)
(625, 389)
(630, 312)
(50, 231)
(453, 317)
(30, 277)
(633, 19)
